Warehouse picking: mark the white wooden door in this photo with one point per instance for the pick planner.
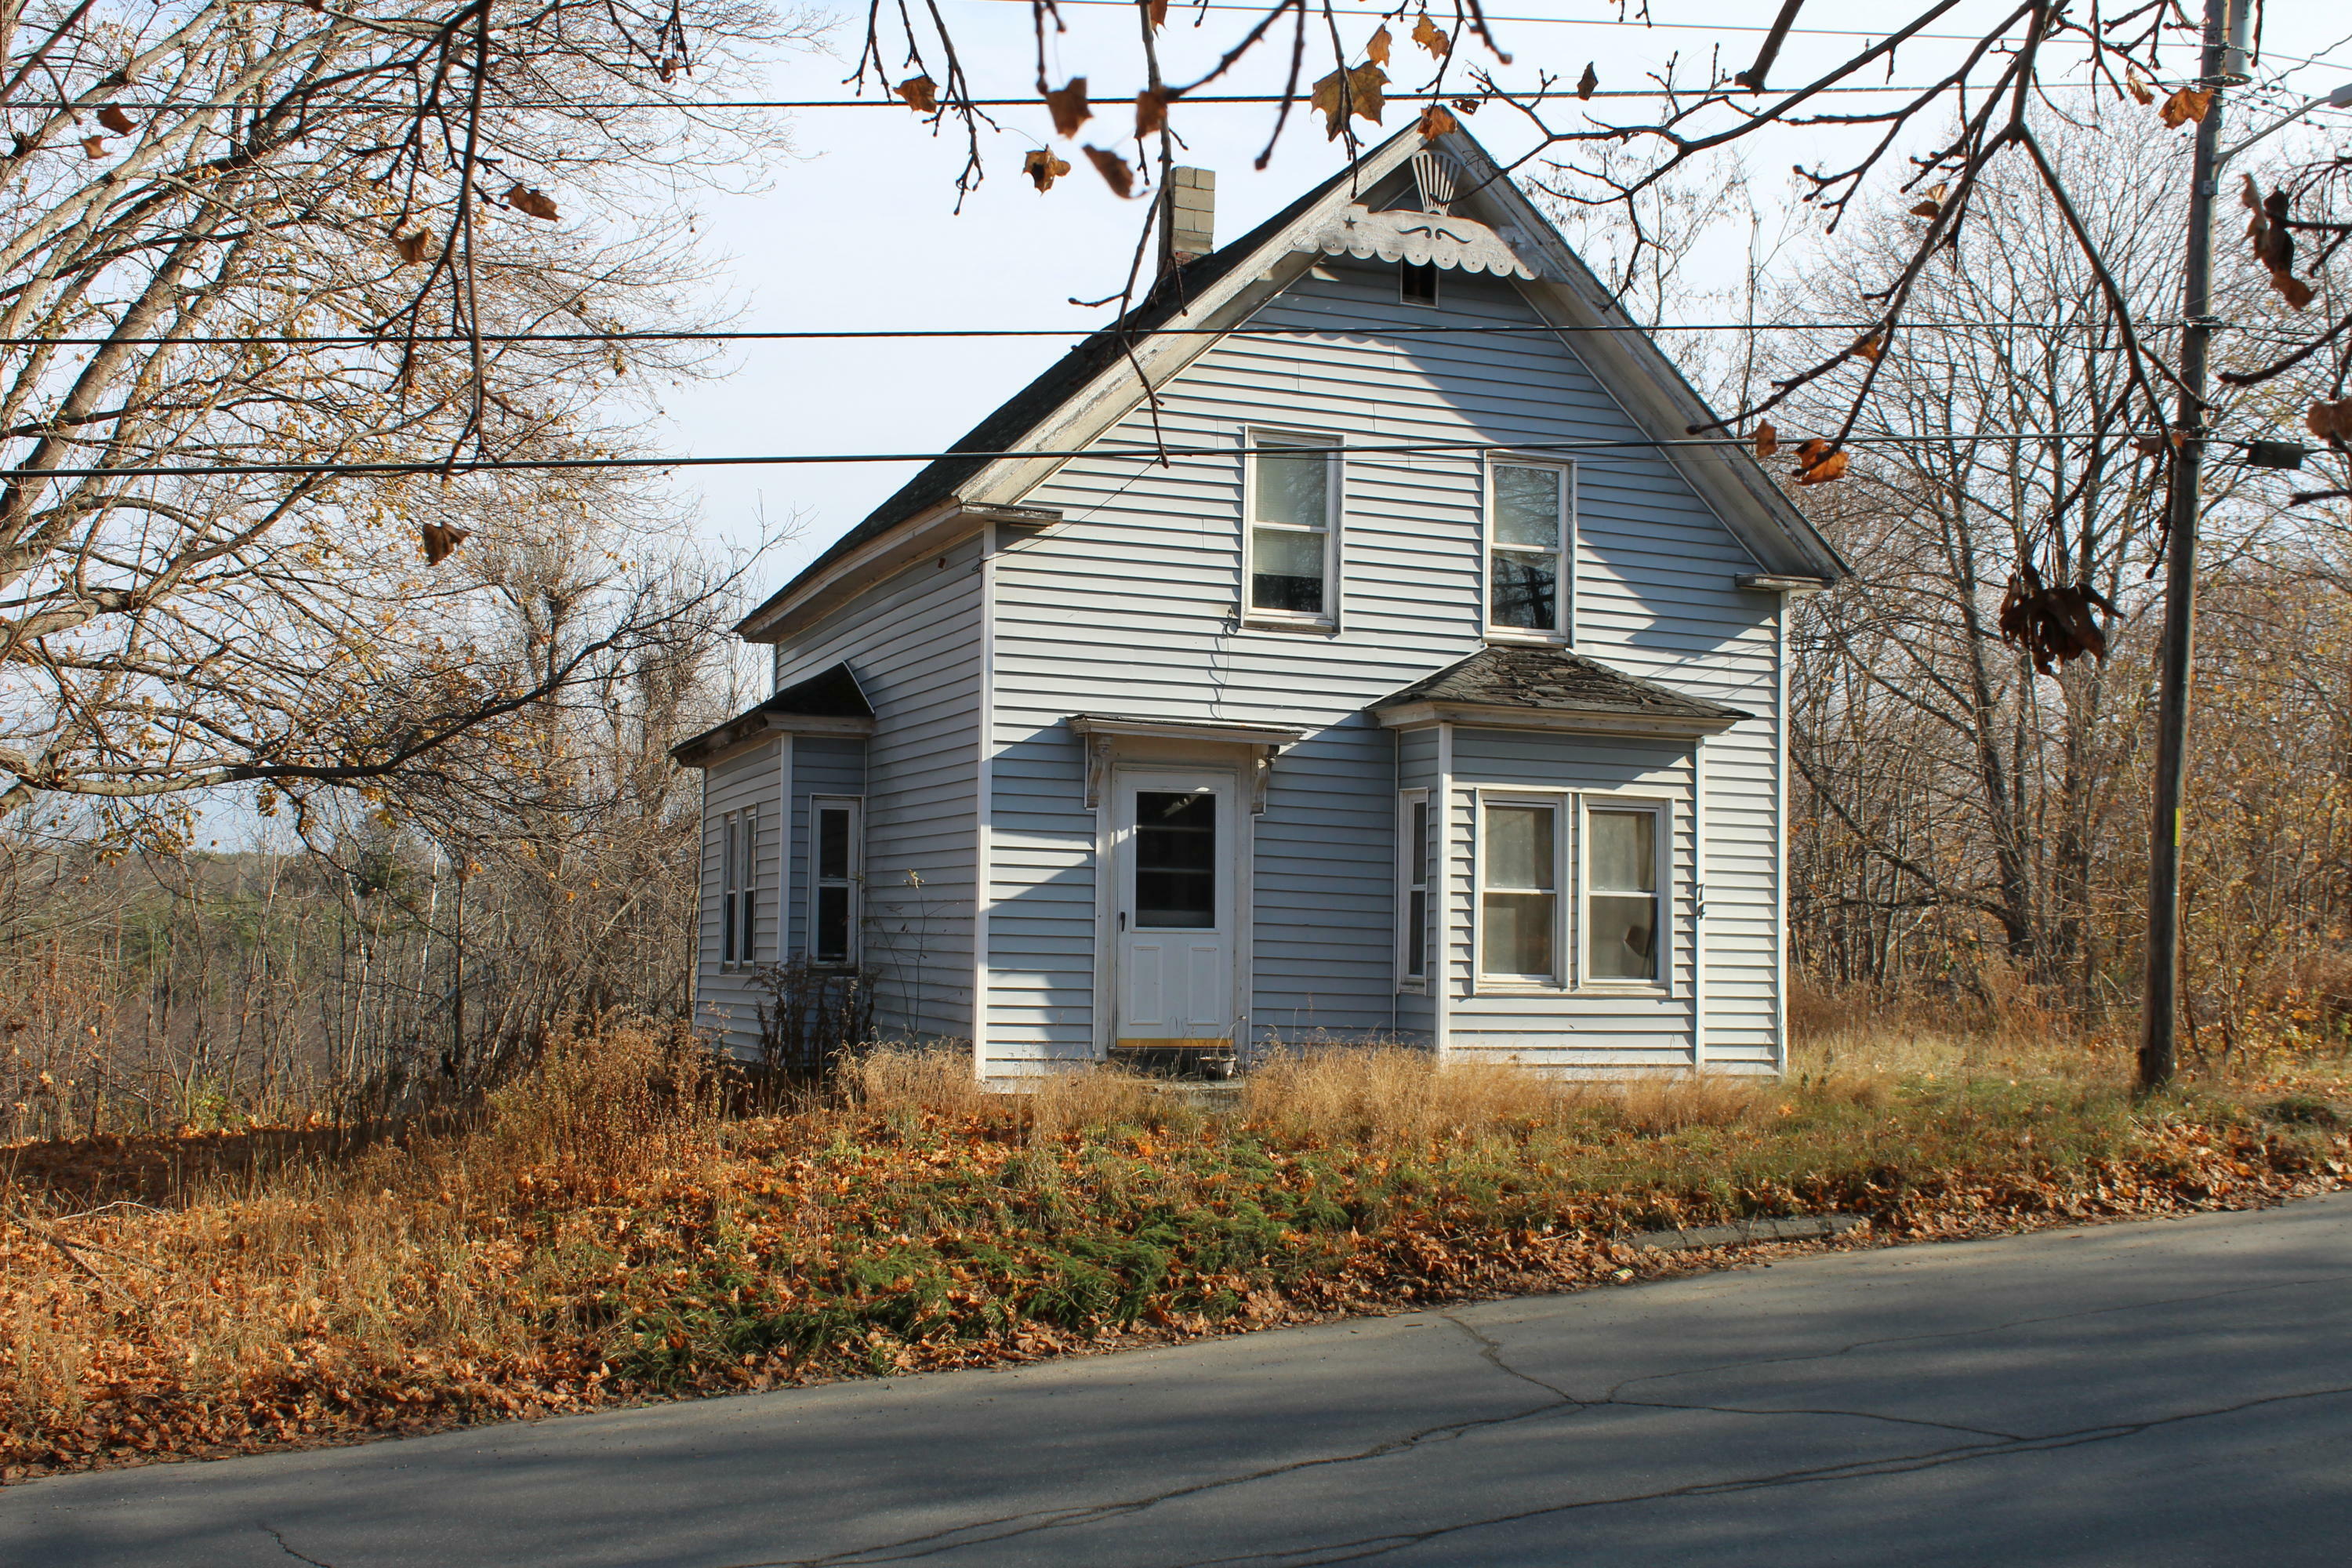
(1176, 915)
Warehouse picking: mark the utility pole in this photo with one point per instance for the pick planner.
(2220, 65)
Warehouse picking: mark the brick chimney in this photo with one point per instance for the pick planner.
(1188, 222)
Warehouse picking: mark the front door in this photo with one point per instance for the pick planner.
(1176, 916)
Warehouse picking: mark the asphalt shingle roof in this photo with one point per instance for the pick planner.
(1545, 677)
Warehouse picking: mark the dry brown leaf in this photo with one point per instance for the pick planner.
(2188, 104)
(2274, 241)
(413, 246)
(1817, 463)
(2052, 623)
(1114, 171)
(1150, 112)
(2148, 445)
(1871, 346)
(1068, 107)
(440, 540)
(1158, 11)
(921, 93)
(1042, 169)
(528, 199)
(1376, 47)
(1931, 202)
(2330, 421)
(1590, 82)
(2141, 92)
(1435, 122)
(1432, 37)
(94, 146)
(1343, 93)
(114, 119)
(1465, 105)
(1768, 440)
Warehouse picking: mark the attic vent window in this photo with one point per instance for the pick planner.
(1417, 283)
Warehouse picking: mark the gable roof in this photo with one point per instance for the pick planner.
(1546, 679)
(1094, 386)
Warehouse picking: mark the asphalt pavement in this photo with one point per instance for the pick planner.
(2155, 1394)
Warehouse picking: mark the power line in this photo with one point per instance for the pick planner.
(1147, 453)
(881, 334)
(1192, 6)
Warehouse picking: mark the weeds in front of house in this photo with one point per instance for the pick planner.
(607, 1231)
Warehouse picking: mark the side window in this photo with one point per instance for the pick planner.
(1412, 889)
(739, 854)
(1530, 540)
(1519, 897)
(1289, 549)
(1416, 284)
(1623, 910)
(835, 851)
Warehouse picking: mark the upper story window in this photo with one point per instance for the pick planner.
(1530, 542)
(1291, 541)
(1417, 284)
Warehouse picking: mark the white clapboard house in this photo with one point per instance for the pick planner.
(1432, 688)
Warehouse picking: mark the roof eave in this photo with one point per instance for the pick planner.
(756, 728)
(1421, 713)
(811, 596)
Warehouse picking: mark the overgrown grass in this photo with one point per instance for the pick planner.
(608, 1232)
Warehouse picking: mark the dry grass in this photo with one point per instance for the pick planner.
(609, 1231)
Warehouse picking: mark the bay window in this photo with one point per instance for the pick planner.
(1621, 908)
(1519, 899)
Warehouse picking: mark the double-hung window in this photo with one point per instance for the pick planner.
(1530, 540)
(1518, 893)
(1623, 911)
(1413, 889)
(1291, 538)
(835, 850)
(739, 854)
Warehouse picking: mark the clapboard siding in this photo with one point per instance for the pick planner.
(727, 1000)
(1129, 605)
(914, 643)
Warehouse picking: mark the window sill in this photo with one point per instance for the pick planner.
(1488, 986)
(1261, 623)
(1530, 640)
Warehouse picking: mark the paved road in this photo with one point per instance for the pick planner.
(2175, 1393)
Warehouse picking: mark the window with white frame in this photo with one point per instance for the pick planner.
(1530, 537)
(739, 854)
(1291, 541)
(834, 851)
(1518, 891)
(1623, 911)
(1412, 889)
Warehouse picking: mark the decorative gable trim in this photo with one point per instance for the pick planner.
(1425, 239)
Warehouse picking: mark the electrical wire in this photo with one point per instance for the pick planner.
(1147, 453)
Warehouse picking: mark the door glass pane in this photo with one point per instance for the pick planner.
(1623, 855)
(1286, 570)
(832, 938)
(1175, 859)
(1518, 847)
(1516, 934)
(1624, 944)
(1527, 508)
(1294, 489)
(832, 842)
(1525, 592)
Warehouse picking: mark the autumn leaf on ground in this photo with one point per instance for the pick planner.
(1150, 112)
(1590, 82)
(526, 199)
(1768, 440)
(94, 146)
(2330, 421)
(413, 246)
(440, 540)
(114, 119)
(1043, 168)
(1376, 47)
(1070, 108)
(2141, 92)
(1817, 463)
(1114, 171)
(921, 93)
(1431, 36)
(2185, 105)
(1435, 122)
